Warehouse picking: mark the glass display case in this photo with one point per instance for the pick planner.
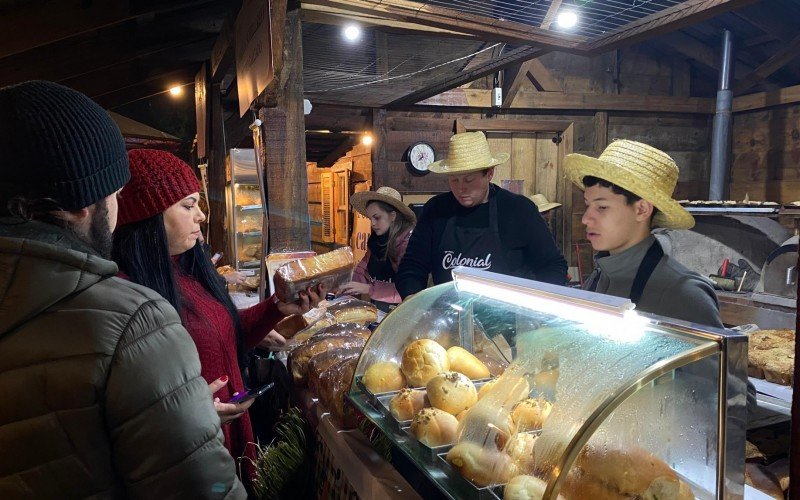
(558, 393)
(246, 212)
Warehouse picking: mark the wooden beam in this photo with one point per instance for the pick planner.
(512, 125)
(482, 57)
(473, 98)
(698, 51)
(513, 78)
(485, 28)
(769, 21)
(380, 162)
(600, 131)
(218, 211)
(323, 14)
(507, 59)
(550, 16)
(755, 41)
(670, 19)
(222, 57)
(778, 60)
(542, 79)
(761, 100)
(340, 150)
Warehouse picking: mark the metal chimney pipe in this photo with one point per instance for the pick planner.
(723, 119)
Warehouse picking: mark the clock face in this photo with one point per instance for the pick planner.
(420, 155)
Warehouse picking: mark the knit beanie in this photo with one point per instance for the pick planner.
(158, 180)
(57, 143)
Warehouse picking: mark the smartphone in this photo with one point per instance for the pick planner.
(251, 394)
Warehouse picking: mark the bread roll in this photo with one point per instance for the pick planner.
(452, 392)
(525, 488)
(480, 465)
(487, 425)
(463, 361)
(383, 376)
(520, 448)
(434, 427)
(531, 413)
(506, 390)
(331, 269)
(422, 360)
(407, 403)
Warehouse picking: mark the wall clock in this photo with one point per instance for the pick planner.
(420, 155)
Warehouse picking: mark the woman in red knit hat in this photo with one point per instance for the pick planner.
(156, 245)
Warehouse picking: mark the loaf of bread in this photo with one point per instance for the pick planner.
(434, 427)
(625, 473)
(300, 356)
(290, 325)
(407, 403)
(318, 364)
(353, 311)
(452, 392)
(383, 376)
(530, 414)
(482, 466)
(330, 269)
(334, 383)
(307, 332)
(330, 330)
(463, 361)
(422, 360)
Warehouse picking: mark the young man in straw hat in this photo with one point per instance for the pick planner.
(628, 190)
(477, 224)
(545, 208)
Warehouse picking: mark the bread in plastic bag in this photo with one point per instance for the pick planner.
(331, 269)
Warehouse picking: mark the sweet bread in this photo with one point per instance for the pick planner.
(422, 360)
(463, 361)
(452, 392)
(407, 403)
(383, 376)
(434, 427)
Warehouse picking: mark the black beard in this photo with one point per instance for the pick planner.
(100, 237)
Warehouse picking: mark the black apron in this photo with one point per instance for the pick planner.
(478, 247)
(380, 270)
(646, 268)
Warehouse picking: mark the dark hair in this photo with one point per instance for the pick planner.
(397, 227)
(141, 251)
(630, 198)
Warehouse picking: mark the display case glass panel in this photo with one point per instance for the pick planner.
(581, 389)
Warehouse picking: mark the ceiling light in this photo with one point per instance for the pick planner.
(176, 90)
(567, 19)
(366, 140)
(352, 32)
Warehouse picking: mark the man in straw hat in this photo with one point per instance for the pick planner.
(477, 224)
(103, 394)
(545, 208)
(628, 190)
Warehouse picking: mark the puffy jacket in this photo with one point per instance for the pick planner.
(102, 393)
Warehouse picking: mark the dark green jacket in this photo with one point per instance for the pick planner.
(101, 389)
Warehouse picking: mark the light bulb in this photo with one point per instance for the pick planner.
(352, 32)
(176, 90)
(366, 140)
(567, 19)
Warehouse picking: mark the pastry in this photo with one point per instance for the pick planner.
(506, 390)
(422, 360)
(330, 269)
(530, 414)
(480, 465)
(771, 356)
(452, 392)
(383, 376)
(434, 427)
(463, 361)
(525, 488)
(520, 448)
(300, 356)
(407, 403)
(486, 425)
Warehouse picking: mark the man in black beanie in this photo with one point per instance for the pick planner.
(102, 393)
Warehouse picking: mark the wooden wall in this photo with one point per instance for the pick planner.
(766, 155)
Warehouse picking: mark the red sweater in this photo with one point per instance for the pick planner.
(212, 330)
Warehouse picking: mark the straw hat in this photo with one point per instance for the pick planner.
(542, 204)
(359, 201)
(468, 152)
(643, 170)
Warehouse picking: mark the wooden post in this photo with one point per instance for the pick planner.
(380, 164)
(283, 130)
(217, 179)
(600, 131)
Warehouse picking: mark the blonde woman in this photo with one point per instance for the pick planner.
(392, 223)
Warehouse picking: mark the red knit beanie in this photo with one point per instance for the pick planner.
(158, 180)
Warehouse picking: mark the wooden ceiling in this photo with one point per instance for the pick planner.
(121, 51)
